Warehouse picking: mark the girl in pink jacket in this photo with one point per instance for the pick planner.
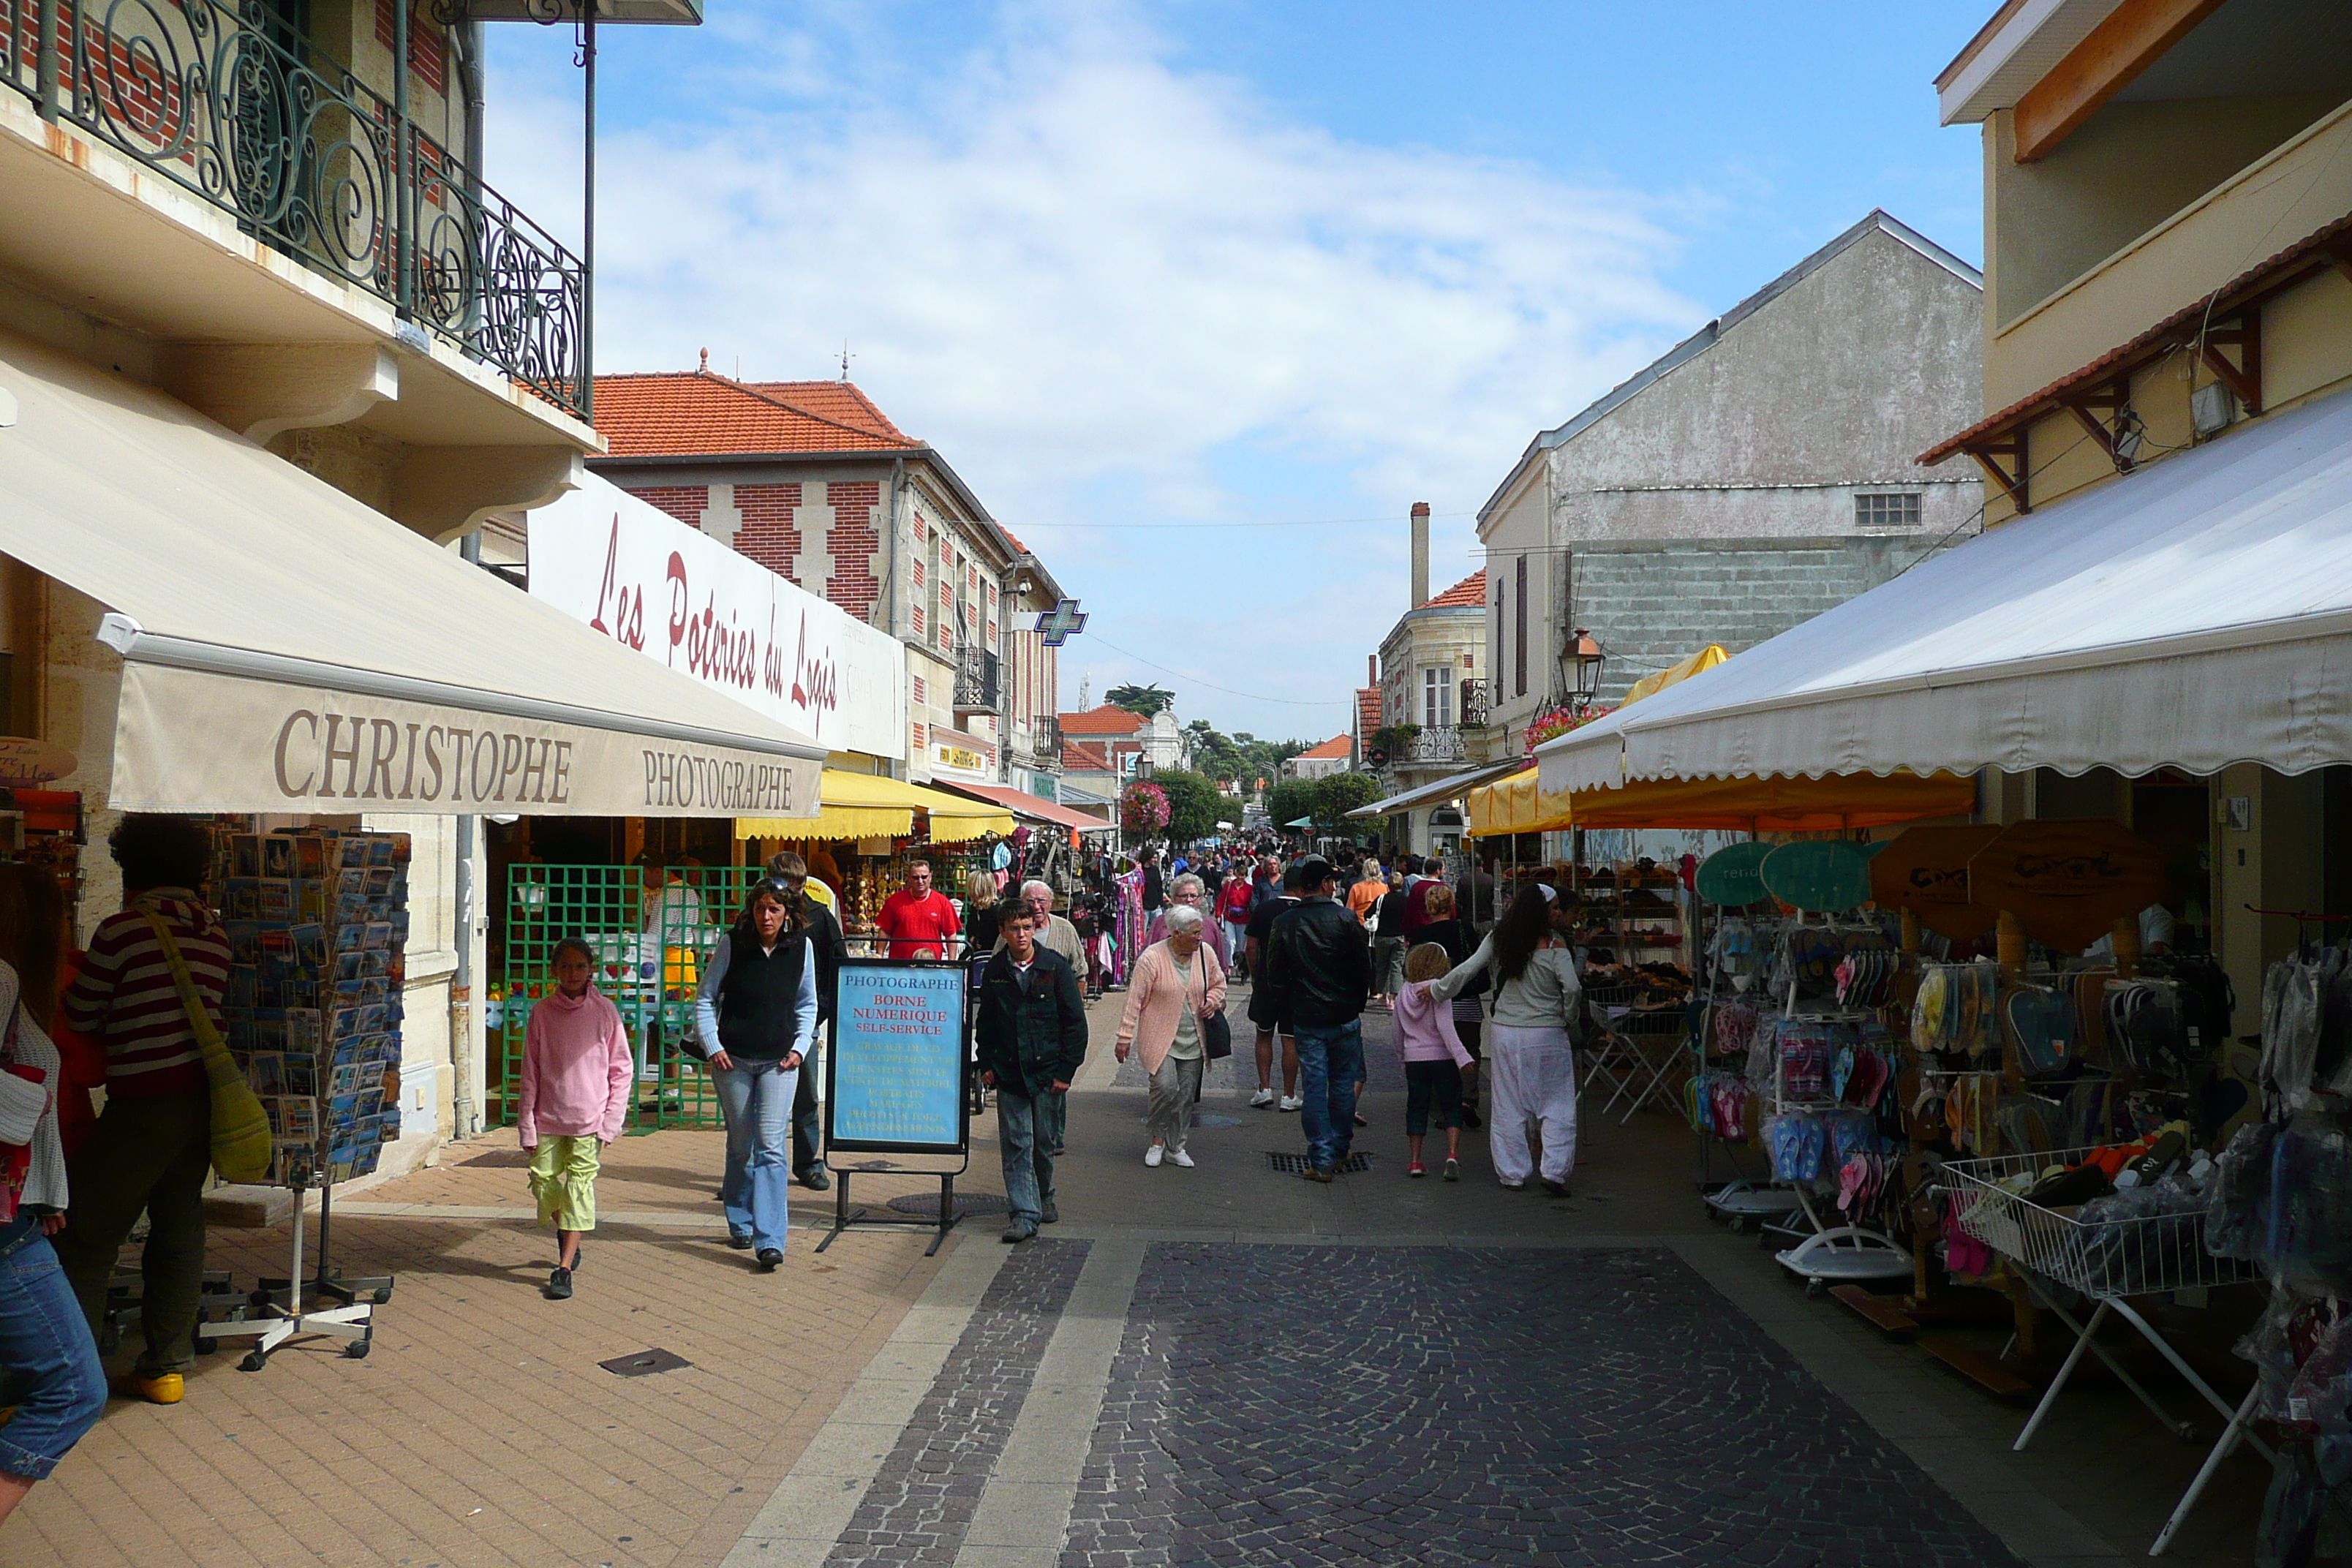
(577, 1070)
(1433, 1058)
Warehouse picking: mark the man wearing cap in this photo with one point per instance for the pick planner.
(1320, 972)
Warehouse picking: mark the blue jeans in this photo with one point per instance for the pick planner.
(1330, 1061)
(756, 1097)
(1053, 1121)
(1021, 1127)
(48, 1362)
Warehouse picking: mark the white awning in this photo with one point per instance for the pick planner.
(2192, 614)
(1453, 786)
(286, 648)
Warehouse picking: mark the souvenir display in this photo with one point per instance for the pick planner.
(318, 931)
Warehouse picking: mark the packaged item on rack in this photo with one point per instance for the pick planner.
(2041, 1024)
(2293, 991)
(1734, 1029)
(2148, 1029)
(1804, 1047)
(1797, 1144)
(1732, 954)
(2239, 1196)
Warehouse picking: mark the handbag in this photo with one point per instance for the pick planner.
(1216, 1033)
(240, 1128)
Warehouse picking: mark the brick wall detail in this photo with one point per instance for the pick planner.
(853, 543)
(770, 533)
(684, 502)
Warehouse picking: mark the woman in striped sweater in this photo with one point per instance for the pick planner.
(153, 1145)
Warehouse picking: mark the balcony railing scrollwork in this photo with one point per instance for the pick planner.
(230, 102)
(1435, 744)
(975, 679)
(1473, 703)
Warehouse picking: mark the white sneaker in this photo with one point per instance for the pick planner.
(1151, 1156)
(1181, 1158)
(1293, 1101)
(1261, 1098)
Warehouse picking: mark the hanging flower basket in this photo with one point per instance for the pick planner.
(1558, 720)
(1143, 807)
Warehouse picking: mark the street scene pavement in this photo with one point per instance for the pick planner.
(1220, 1365)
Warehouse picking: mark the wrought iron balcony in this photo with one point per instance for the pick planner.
(1473, 703)
(1045, 741)
(976, 680)
(232, 103)
(1435, 744)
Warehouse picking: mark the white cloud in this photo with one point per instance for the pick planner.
(1078, 268)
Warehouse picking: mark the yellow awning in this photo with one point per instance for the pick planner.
(1706, 658)
(1516, 805)
(869, 806)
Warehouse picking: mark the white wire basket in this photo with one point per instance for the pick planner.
(2106, 1259)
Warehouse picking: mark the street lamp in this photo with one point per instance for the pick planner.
(1587, 656)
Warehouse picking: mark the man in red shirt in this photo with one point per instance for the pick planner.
(918, 915)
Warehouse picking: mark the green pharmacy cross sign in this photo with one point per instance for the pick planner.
(1060, 623)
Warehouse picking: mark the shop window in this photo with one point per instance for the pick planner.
(1900, 509)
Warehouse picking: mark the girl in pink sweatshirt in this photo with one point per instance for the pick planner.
(1433, 1058)
(577, 1070)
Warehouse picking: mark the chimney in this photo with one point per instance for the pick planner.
(1371, 669)
(1420, 554)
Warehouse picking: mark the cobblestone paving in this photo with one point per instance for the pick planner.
(920, 1502)
(1489, 1406)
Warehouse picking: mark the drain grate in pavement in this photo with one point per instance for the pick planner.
(965, 1204)
(645, 1364)
(1292, 1164)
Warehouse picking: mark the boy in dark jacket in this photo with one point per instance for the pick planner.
(1032, 1037)
(1319, 973)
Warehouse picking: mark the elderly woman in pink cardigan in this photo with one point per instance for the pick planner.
(1177, 983)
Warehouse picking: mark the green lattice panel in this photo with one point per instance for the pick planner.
(650, 956)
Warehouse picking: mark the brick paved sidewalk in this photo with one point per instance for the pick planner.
(480, 1432)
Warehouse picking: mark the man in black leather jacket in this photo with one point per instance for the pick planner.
(1032, 1033)
(1320, 972)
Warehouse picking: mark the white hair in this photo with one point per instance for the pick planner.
(1183, 920)
(1188, 882)
(1045, 887)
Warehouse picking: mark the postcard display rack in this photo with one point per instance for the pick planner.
(318, 929)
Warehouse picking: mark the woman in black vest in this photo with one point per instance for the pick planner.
(756, 1012)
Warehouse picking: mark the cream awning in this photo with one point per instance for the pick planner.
(286, 648)
(2195, 614)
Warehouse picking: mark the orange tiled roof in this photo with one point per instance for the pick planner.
(1336, 746)
(1082, 758)
(1471, 589)
(1104, 719)
(682, 413)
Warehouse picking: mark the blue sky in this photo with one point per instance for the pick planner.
(1144, 272)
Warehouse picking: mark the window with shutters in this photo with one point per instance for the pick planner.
(1519, 632)
(1437, 697)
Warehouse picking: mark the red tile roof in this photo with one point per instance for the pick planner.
(685, 412)
(1336, 746)
(1080, 757)
(1367, 710)
(1105, 719)
(1471, 589)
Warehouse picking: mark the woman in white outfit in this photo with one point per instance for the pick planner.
(1177, 983)
(1530, 1070)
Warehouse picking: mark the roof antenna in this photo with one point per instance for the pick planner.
(706, 363)
(846, 357)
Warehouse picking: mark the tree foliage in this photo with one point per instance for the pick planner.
(1288, 800)
(1243, 757)
(1146, 700)
(1337, 794)
(1192, 803)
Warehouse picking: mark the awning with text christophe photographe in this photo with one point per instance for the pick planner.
(288, 649)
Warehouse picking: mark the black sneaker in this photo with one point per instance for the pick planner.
(1319, 1174)
(559, 1284)
(1051, 1216)
(1471, 1120)
(740, 1243)
(769, 1258)
(815, 1180)
(1557, 1189)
